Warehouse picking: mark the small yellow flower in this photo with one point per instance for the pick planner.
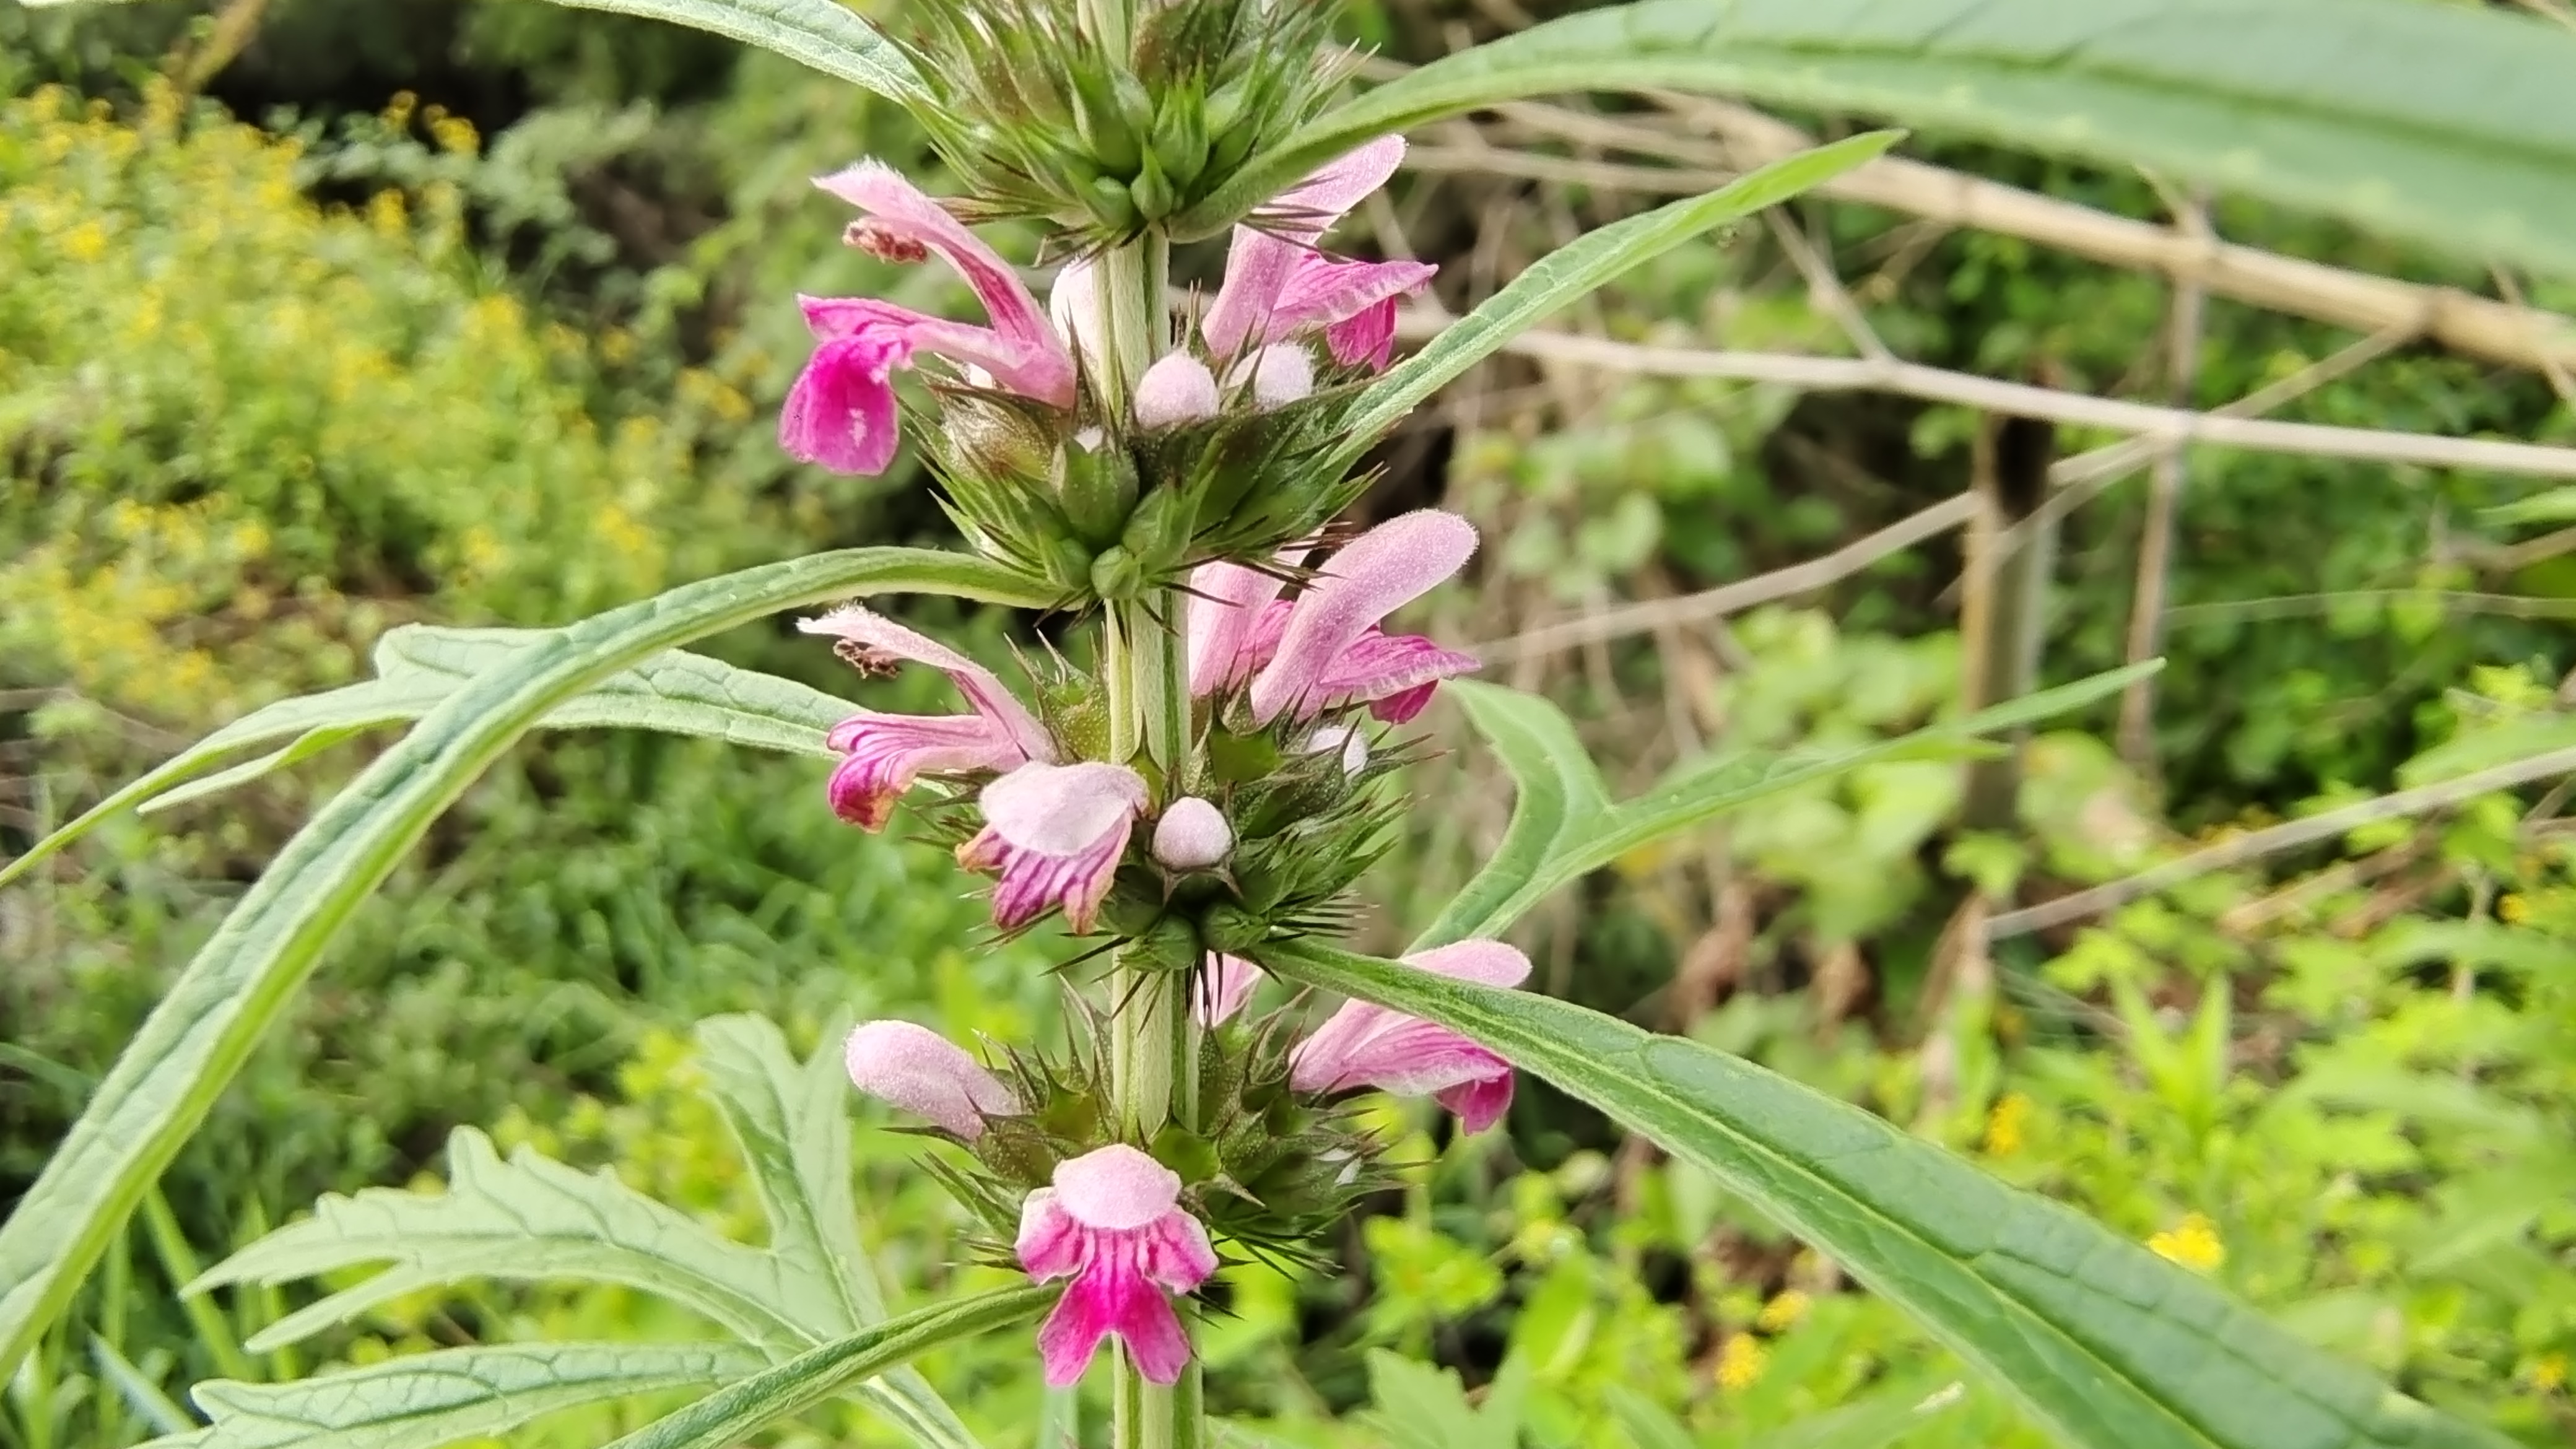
(2513, 910)
(455, 134)
(86, 242)
(2004, 1122)
(2193, 1242)
(2547, 1373)
(1783, 1312)
(1740, 1362)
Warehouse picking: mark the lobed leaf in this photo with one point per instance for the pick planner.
(1563, 824)
(168, 1076)
(2450, 126)
(2107, 1344)
(1581, 267)
(453, 1394)
(730, 1415)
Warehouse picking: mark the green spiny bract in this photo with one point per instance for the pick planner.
(1043, 120)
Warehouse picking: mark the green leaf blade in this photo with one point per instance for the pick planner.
(819, 34)
(2106, 1343)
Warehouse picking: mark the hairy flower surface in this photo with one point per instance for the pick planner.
(882, 754)
(1055, 834)
(1324, 648)
(926, 1074)
(841, 412)
(1114, 1225)
(1278, 285)
(1367, 1045)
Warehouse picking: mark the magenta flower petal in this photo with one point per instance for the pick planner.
(1262, 259)
(1027, 357)
(1394, 674)
(1055, 834)
(928, 1075)
(983, 689)
(1226, 599)
(1366, 1045)
(1366, 338)
(1113, 1223)
(884, 753)
(1354, 302)
(1223, 985)
(840, 413)
(1384, 569)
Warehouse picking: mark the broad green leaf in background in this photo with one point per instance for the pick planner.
(731, 1415)
(1581, 267)
(2109, 1345)
(1564, 824)
(791, 1121)
(200, 1033)
(419, 665)
(821, 34)
(527, 1218)
(2448, 125)
(454, 1394)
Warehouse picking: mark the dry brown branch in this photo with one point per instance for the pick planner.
(2137, 731)
(2157, 424)
(1732, 598)
(2289, 835)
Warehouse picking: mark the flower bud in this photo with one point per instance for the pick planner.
(1281, 373)
(1116, 574)
(1178, 389)
(1158, 532)
(1192, 835)
(1180, 140)
(1352, 744)
(1098, 492)
(1152, 191)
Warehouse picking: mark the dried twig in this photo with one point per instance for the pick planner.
(2137, 731)
(2289, 835)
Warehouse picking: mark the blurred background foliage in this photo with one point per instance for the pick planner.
(316, 318)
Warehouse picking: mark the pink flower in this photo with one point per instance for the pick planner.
(1278, 286)
(1055, 833)
(1325, 647)
(884, 753)
(928, 1075)
(841, 412)
(1113, 1223)
(1366, 1045)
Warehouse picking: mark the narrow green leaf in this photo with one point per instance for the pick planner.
(2109, 1345)
(1572, 830)
(1581, 267)
(791, 1121)
(732, 1414)
(820, 34)
(454, 1394)
(136, 1388)
(2448, 125)
(525, 1219)
(1649, 1424)
(193, 1042)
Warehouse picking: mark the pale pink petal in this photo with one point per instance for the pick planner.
(1321, 291)
(983, 689)
(1031, 884)
(1223, 985)
(1032, 361)
(1308, 209)
(840, 413)
(1074, 306)
(1062, 810)
(1486, 963)
(1392, 673)
(885, 753)
(1192, 835)
(1225, 600)
(1178, 389)
(1050, 1244)
(1381, 571)
(1366, 1045)
(1261, 259)
(1116, 1188)
(928, 1075)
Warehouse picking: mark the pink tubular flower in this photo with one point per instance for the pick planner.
(1365, 1045)
(841, 411)
(1114, 1225)
(884, 753)
(1325, 648)
(1055, 833)
(1278, 286)
(928, 1075)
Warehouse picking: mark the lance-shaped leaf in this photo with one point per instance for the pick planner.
(528, 1218)
(1563, 823)
(821, 34)
(1581, 267)
(418, 665)
(201, 1032)
(733, 1414)
(454, 1394)
(2449, 125)
(2107, 1344)
(792, 1122)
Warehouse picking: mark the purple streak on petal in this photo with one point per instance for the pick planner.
(1384, 569)
(1055, 833)
(926, 1074)
(885, 753)
(1033, 361)
(983, 689)
(1050, 1241)
(1113, 1223)
(1226, 600)
(840, 413)
(1223, 985)
(1308, 209)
